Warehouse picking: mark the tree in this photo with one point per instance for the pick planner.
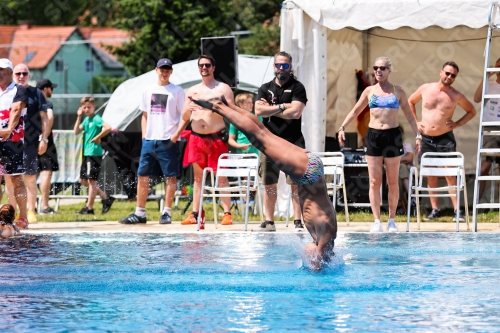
(41, 12)
(264, 40)
(169, 29)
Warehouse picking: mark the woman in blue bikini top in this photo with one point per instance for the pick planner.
(384, 102)
(383, 141)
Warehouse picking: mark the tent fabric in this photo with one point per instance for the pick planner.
(417, 56)
(123, 105)
(390, 15)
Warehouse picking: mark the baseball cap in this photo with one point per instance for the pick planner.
(43, 83)
(164, 62)
(6, 63)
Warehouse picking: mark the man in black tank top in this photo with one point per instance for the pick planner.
(281, 103)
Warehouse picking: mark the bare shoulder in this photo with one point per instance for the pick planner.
(457, 94)
(226, 90)
(194, 88)
(399, 90)
(426, 86)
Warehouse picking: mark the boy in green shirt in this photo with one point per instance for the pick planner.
(237, 139)
(94, 129)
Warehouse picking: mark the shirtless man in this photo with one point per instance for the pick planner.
(439, 100)
(205, 144)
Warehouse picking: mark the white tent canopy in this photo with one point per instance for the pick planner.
(123, 105)
(329, 40)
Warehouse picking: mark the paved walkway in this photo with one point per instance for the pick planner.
(176, 227)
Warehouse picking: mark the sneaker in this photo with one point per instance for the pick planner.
(106, 204)
(433, 215)
(191, 219)
(227, 219)
(461, 216)
(31, 217)
(391, 226)
(376, 227)
(46, 211)
(133, 219)
(85, 210)
(266, 226)
(21, 223)
(165, 219)
(298, 225)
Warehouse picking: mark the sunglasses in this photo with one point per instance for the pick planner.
(382, 68)
(449, 74)
(205, 65)
(284, 66)
(22, 73)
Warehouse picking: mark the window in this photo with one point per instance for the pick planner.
(59, 65)
(89, 65)
(29, 56)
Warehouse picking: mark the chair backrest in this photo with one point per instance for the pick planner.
(331, 161)
(238, 165)
(442, 164)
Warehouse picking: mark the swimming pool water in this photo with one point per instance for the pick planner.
(246, 282)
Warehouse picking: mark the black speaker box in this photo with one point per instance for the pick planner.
(225, 52)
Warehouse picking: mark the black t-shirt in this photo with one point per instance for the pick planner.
(288, 129)
(33, 121)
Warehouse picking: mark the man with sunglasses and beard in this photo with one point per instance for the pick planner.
(281, 103)
(439, 100)
(209, 136)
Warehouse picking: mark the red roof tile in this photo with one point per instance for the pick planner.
(6, 36)
(41, 42)
(102, 36)
(37, 45)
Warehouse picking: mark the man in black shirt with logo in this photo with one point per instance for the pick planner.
(281, 103)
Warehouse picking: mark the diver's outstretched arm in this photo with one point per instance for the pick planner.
(288, 157)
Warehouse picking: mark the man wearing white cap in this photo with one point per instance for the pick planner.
(13, 101)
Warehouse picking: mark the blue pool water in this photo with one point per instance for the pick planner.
(245, 282)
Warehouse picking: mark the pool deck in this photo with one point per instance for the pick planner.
(176, 227)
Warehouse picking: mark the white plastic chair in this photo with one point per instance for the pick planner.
(440, 165)
(333, 163)
(232, 165)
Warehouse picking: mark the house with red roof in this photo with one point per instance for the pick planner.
(68, 56)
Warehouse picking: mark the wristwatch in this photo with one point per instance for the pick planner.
(341, 128)
(45, 140)
(418, 137)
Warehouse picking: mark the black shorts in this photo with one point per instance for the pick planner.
(269, 172)
(91, 166)
(386, 143)
(48, 161)
(30, 159)
(444, 143)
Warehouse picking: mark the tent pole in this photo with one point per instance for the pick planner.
(366, 52)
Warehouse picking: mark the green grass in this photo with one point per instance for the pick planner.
(121, 209)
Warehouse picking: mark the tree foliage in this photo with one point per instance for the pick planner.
(105, 84)
(159, 28)
(58, 12)
(264, 40)
(40, 12)
(168, 29)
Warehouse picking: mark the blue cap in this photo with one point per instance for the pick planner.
(164, 63)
